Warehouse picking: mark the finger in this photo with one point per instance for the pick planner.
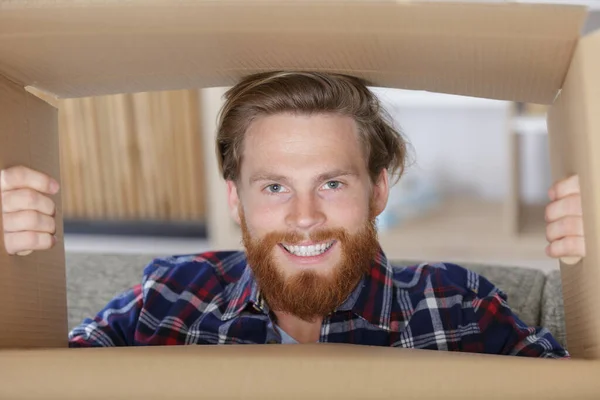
(23, 177)
(569, 206)
(21, 221)
(567, 247)
(564, 188)
(27, 199)
(570, 260)
(24, 242)
(566, 226)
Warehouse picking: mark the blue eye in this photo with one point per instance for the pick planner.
(333, 185)
(275, 188)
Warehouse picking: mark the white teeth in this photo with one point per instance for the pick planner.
(309, 251)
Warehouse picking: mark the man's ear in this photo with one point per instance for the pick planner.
(233, 199)
(381, 192)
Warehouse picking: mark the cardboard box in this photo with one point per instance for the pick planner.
(519, 52)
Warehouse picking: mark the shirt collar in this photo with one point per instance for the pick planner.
(244, 294)
(370, 300)
(372, 297)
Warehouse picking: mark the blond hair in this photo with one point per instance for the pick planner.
(308, 93)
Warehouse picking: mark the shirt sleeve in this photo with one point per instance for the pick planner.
(114, 325)
(500, 330)
(504, 333)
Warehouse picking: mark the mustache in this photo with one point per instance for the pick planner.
(294, 237)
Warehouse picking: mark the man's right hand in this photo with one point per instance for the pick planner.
(27, 210)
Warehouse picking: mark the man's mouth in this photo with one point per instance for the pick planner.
(311, 250)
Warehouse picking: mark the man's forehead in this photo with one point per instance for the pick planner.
(287, 136)
(301, 146)
(300, 124)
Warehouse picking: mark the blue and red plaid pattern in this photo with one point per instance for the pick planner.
(212, 298)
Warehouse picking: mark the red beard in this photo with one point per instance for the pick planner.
(307, 294)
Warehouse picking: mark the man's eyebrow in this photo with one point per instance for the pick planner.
(268, 176)
(336, 173)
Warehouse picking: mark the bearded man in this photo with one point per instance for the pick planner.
(308, 159)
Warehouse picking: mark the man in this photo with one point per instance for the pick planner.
(308, 159)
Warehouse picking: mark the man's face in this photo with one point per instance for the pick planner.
(306, 206)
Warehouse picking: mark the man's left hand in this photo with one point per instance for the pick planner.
(564, 221)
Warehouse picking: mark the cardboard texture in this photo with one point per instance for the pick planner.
(32, 290)
(319, 371)
(78, 48)
(576, 111)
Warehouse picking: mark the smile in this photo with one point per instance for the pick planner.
(310, 250)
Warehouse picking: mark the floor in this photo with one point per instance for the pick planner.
(468, 230)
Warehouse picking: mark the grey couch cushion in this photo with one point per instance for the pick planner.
(94, 279)
(553, 309)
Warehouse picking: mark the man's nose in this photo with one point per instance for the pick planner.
(305, 212)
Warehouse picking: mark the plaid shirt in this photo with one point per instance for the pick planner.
(212, 298)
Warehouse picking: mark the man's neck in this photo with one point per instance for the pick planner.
(302, 331)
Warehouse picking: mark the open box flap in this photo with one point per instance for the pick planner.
(574, 127)
(79, 48)
(320, 371)
(33, 306)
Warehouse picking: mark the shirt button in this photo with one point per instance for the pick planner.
(272, 341)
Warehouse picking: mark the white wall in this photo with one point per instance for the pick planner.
(461, 144)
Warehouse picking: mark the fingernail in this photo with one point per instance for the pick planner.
(54, 186)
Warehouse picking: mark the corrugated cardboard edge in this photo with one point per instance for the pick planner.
(45, 96)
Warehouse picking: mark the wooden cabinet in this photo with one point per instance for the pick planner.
(132, 157)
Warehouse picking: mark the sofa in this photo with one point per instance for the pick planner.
(94, 279)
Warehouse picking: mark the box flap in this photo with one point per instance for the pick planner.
(79, 48)
(320, 371)
(33, 300)
(574, 127)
